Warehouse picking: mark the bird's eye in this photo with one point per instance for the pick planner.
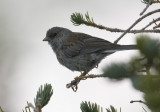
(53, 35)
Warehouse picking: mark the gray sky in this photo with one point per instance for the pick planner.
(27, 62)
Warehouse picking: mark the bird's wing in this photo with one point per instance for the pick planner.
(77, 43)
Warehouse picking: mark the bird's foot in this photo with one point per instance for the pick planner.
(73, 85)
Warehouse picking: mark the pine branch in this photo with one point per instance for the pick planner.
(88, 76)
(42, 98)
(155, 1)
(136, 22)
(78, 19)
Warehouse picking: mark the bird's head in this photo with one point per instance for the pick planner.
(55, 36)
(52, 33)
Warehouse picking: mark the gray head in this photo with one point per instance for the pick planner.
(53, 32)
(55, 36)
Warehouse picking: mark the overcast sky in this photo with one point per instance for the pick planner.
(27, 62)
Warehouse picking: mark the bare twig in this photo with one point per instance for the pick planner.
(38, 106)
(29, 105)
(152, 22)
(155, 1)
(139, 101)
(88, 76)
(119, 30)
(136, 22)
(157, 26)
(144, 109)
(138, 31)
(147, 6)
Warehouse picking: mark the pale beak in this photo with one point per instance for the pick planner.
(46, 39)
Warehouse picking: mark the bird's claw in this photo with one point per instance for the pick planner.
(74, 88)
(73, 85)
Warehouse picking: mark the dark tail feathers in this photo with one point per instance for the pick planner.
(127, 47)
(120, 48)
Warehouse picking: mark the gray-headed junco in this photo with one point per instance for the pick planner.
(79, 51)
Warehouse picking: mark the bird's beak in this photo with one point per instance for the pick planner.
(46, 39)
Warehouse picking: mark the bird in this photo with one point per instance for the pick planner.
(79, 51)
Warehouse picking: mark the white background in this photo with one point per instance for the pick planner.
(26, 62)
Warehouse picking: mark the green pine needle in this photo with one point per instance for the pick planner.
(111, 109)
(29, 107)
(90, 107)
(90, 20)
(145, 1)
(45, 92)
(93, 107)
(78, 19)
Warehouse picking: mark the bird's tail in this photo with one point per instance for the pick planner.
(121, 48)
(127, 47)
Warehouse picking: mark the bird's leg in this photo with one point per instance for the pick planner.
(80, 68)
(75, 82)
(84, 73)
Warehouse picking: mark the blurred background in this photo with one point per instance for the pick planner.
(26, 61)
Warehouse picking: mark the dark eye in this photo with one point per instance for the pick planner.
(53, 35)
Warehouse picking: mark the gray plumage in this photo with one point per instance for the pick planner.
(79, 51)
